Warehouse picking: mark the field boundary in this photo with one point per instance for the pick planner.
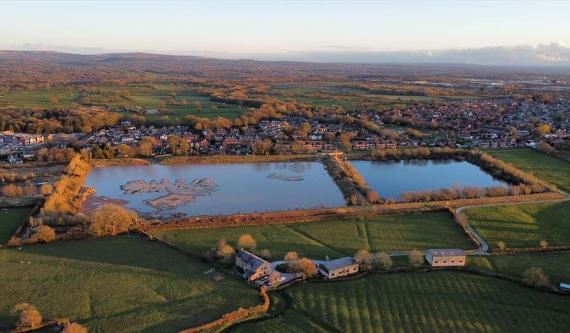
(313, 215)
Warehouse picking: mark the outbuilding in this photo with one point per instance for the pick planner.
(445, 257)
(333, 269)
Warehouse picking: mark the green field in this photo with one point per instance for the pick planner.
(548, 168)
(335, 238)
(523, 225)
(10, 220)
(121, 284)
(38, 98)
(154, 98)
(555, 265)
(412, 302)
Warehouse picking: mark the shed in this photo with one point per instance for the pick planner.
(337, 268)
(445, 257)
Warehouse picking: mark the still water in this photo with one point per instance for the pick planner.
(392, 178)
(230, 188)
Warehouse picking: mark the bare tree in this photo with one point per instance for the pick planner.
(246, 241)
(416, 258)
(383, 261)
(364, 259)
(535, 277)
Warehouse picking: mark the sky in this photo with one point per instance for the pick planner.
(266, 26)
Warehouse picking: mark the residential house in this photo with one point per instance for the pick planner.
(252, 267)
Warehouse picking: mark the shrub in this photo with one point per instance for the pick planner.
(246, 241)
(535, 277)
(224, 251)
(383, 262)
(46, 189)
(265, 254)
(416, 258)
(74, 328)
(30, 318)
(291, 256)
(307, 268)
(45, 234)
(501, 245)
(111, 219)
(364, 259)
(372, 196)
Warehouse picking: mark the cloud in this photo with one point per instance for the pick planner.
(553, 54)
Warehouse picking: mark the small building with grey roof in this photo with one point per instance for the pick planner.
(333, 269)
(445, 257)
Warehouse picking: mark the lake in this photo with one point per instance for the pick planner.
(392, 178)
(211, 189)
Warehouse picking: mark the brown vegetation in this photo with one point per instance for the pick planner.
(73, 328)
(247, 242)
(111, 219)
(45, 234)
(30, 318)
(65, 196)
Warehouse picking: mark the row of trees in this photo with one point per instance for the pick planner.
(80, 119)
(65, 195)
(471, 192)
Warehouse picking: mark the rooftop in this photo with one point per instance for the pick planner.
(445, 252)
(337, 263)
(250, 258)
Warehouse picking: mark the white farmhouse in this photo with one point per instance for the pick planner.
(251, 266)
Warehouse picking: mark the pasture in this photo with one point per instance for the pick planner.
(417, 302)
(38, 98)
(555, 265)
(334, 238)
(10, 220)
(548, 168)
(120, 284)
(179, 100)
(522, 225)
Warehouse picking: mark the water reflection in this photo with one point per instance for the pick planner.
(392, 178)
(242, 187)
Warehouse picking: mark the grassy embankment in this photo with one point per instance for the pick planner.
(412, 302)
(121, 284)
(336, 238)
(10, 220)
